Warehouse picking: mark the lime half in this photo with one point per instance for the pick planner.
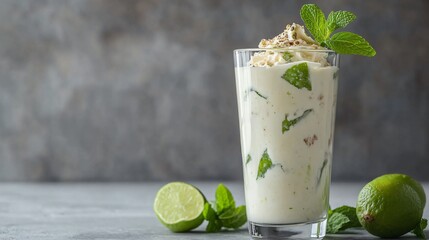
(179, 206)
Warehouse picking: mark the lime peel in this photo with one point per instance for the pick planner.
(391, 205)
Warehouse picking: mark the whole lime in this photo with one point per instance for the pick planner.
(391, 205)
(179, 206)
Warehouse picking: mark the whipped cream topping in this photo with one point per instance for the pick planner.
(267, 59)
(292, 38)
(293, 35)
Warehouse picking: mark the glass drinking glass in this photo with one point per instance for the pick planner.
(286, 102)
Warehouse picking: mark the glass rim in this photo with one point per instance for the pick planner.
(284, 49)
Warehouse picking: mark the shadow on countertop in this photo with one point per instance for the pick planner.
(360, 234)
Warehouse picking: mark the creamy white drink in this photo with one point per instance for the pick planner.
(286, 101)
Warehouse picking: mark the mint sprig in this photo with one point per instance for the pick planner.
(322, 28)
(222, 213)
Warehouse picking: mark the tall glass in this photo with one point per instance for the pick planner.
(286, 112)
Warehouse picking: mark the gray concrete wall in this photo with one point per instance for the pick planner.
(144, 90)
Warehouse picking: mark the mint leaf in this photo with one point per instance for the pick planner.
(418, 231)
(209, 213)
(315, 21)
(339, 19)
(234, 219)
(350, 213)
(342, 218)
(286, 124)
(224, 199)
(264, 164)
(350, 43)
(211, 216)
(249, 158)
(335, 222)
(298, 76)
(214, 226)
(227, 214)
(213, 205)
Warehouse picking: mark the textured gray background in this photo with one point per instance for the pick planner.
(144, 90)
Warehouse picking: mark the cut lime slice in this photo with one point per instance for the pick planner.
(179, 206)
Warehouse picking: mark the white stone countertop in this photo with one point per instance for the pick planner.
(55, 211)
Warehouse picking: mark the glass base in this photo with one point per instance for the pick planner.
(310, 230)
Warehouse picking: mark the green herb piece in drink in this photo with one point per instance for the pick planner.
(298, 76)
(325, 162)
(264, 164)
(308, 170)
(287, 124)
(335, 74)
(287, 56)
(249, 158)
(258, 93)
